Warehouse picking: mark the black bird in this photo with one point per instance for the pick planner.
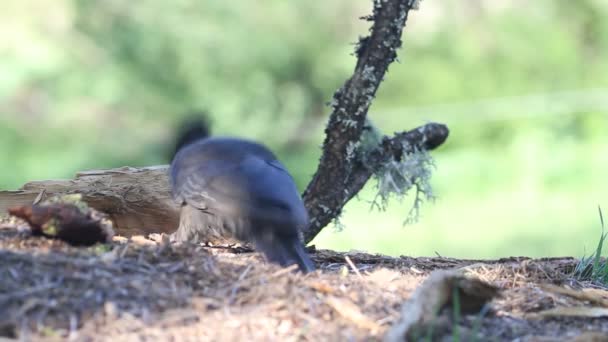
(231, 188)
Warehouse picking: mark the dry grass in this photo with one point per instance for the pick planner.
(55, 289)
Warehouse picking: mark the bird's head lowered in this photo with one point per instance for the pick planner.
(191, 129)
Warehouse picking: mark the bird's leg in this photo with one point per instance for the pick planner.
(189, 226)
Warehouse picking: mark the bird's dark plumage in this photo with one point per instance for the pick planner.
(193, 128)
(235, 188)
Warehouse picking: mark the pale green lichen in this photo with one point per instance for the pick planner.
(371, 137)
(397, 178)
(415, 4)
(325, 209)
(368, 73)
(338, 224)
(351, 150)
(350, 123)
(74, 199)
(100, 249)
(50, 227)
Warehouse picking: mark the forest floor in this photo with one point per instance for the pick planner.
(148, 289)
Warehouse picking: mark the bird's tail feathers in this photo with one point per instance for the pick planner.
(286, 252)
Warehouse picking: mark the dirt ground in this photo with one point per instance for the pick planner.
(149, 290)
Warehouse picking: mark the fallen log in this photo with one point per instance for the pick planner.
(137, 200)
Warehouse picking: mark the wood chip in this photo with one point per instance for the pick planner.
(594, 296)
(351, 312)
(572, 311)
(142, 240)
(321, 287)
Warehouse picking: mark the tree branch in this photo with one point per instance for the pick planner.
(425, 137)
(340, 174)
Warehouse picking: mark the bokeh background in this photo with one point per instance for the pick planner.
(523, 85)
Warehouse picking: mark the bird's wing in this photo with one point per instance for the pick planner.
(192, 183)
(252, 188)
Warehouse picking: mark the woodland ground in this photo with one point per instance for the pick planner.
(143, 289)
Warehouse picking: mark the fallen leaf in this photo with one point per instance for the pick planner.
(73, 223)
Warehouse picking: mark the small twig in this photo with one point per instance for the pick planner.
(387, 319)
(352, 265)
(123, 251)
(237, 284)
(39, 197)
(73, 327)
(283, 271)
(28, 291)
(244, 274)
(351, 312)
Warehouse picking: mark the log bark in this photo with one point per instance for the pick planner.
(138, 200)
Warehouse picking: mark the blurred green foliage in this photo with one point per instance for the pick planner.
(522, 85)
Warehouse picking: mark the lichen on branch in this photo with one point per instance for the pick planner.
(395, 179)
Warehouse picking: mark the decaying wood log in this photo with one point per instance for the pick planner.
(138, 200)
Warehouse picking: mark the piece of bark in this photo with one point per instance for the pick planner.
(76, 225)
(435, 294)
